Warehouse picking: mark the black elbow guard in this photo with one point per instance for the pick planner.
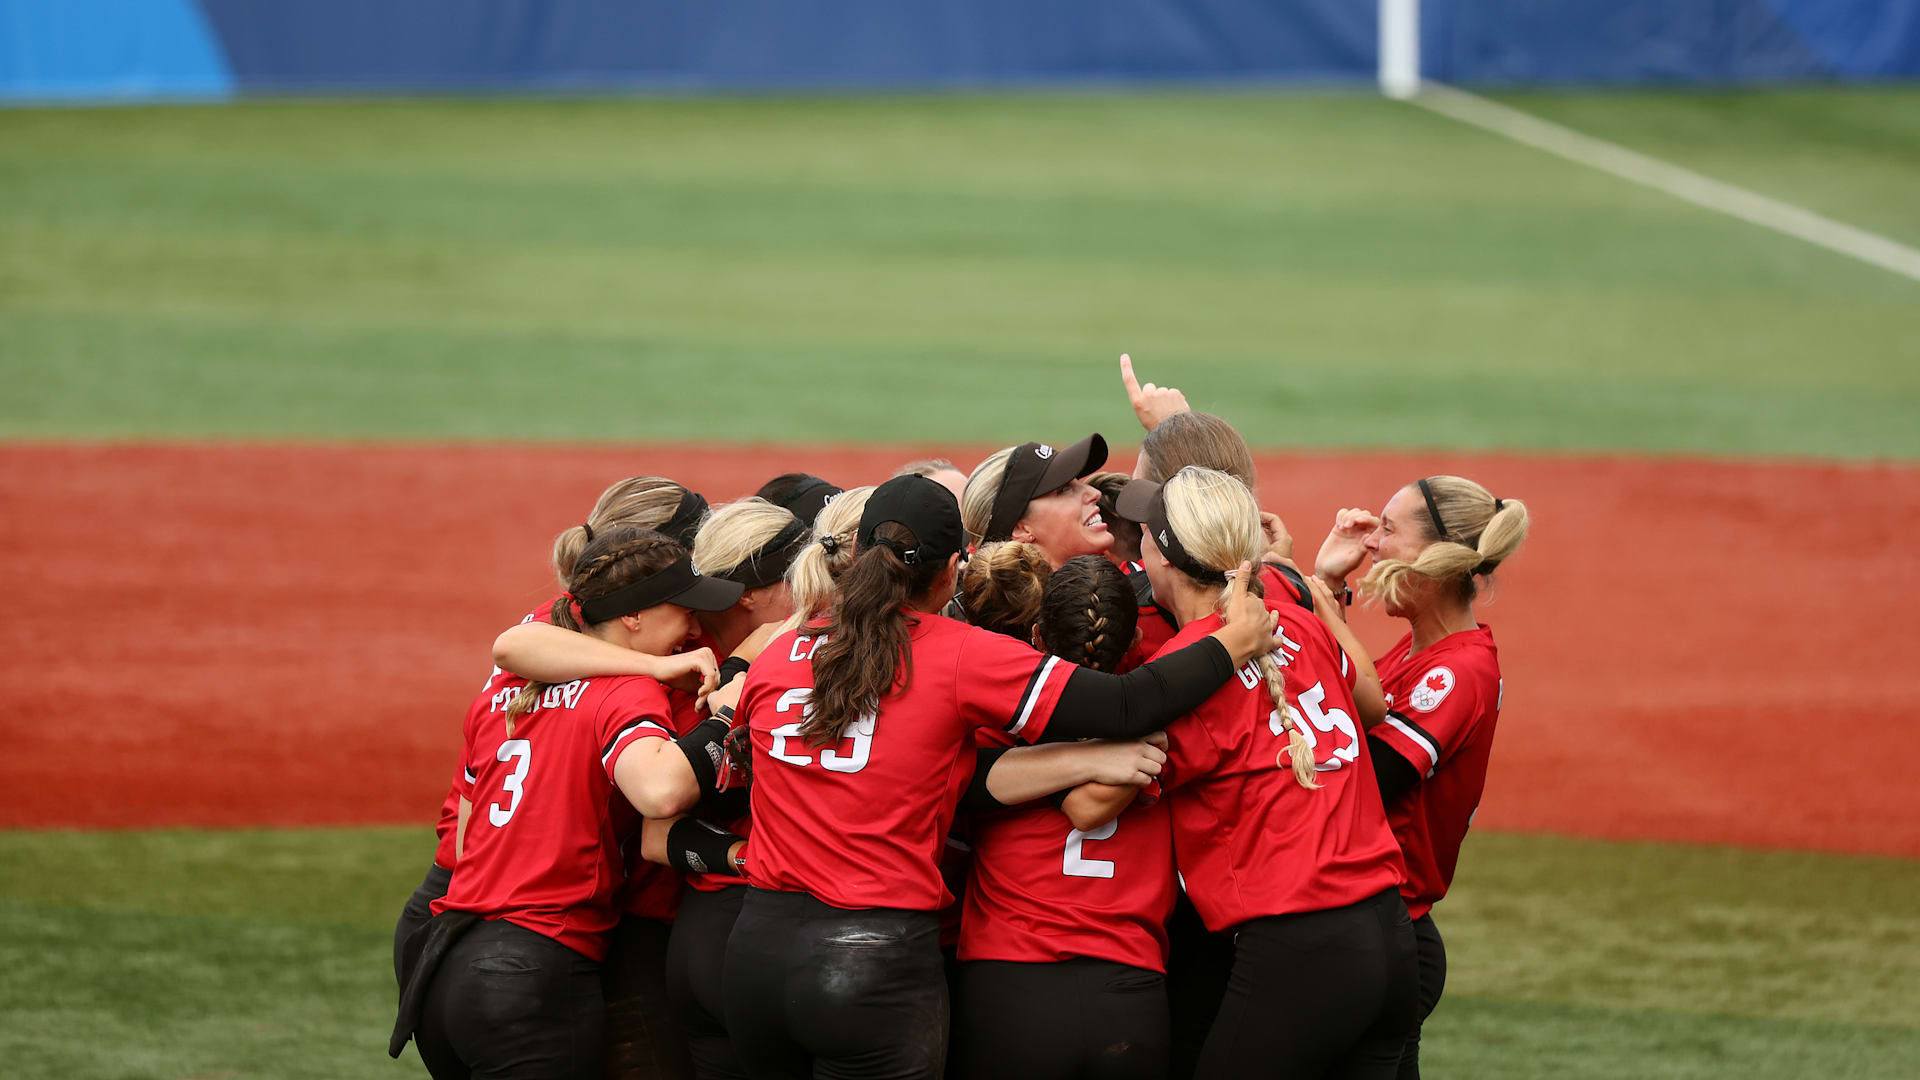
(700, 848)
(705, 747)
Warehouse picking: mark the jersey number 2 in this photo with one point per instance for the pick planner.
(520, 752)
(1078, 865)
(831, 759)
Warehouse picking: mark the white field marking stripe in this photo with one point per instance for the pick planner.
(1681, 183)
(1039, 685)
(1419, 740)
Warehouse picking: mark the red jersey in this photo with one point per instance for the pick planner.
(543, 838)
(861, 824)
(1248, 839)
(1043, 891)
(1442, 703)
(444, 854)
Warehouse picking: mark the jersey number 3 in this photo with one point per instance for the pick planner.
(860, 732)
(520, 752)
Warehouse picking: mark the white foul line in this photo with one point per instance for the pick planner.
(1681, 183)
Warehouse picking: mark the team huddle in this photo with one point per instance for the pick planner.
(1037, 771)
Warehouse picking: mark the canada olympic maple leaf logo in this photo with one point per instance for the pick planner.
(1432, 689)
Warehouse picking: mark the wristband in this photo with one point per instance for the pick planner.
(703, 747)
(700, 848)
(732, 666)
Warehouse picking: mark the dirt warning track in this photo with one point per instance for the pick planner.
(288, 636)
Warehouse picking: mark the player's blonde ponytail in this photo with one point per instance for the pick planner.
(1218, 522)
(1480, 532)
(814, 573)
(644, 501)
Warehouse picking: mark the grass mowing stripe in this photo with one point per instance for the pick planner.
(1491, 1039)
(97, 378)
(1567, 957)
(1310, 250)
(90, 993)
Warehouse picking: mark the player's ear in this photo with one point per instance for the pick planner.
(1037, 643)
(1138, 636)
(1021, 534)
(632, 622)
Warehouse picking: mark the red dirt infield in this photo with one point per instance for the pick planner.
(275, 635)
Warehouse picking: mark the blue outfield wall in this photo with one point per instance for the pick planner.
(146, 49)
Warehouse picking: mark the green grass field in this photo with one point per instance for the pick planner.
(1330, 271)
(269, 954)
(1346, 271)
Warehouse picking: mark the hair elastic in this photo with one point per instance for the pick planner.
(588, 529)
(573, 608)
(1497, 504)
(830, 544)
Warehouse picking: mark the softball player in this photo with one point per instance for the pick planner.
(862, 732)
(645, 501)
(1070, 911)
(1278, 831)
(1430, 545)
(1034, 493)
(507, 979)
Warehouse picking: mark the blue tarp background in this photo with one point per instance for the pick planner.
(117, 49)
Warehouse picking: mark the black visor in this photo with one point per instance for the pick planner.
(770, 563)
(810, 496)
(1033, 469)
(679, 583)
(1146, 502)
(926, 508)
(686, 518)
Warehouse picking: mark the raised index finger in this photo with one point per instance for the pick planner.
(1126, 377)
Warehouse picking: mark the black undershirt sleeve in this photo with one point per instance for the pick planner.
(1095, 705)
(1396, 774)
(978, 800)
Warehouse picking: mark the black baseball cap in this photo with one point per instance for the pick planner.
(1146, 502)
(925, 507)
(680, 583)
(1035, 469)
(809, 496)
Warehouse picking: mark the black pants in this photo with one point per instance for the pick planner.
(696, 961)
(1198, 965)
(644, 1039)
(417, 911)
(1433, 980)
(1077, 1019)
(817, 991)
(510, 1003)
(1322, 993)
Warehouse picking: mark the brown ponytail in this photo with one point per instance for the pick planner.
(867, 650)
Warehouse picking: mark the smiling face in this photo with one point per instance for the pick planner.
(1065, 523)
(1404, 532)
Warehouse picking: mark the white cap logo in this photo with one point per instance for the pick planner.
(1043, 451)
(1163, 538)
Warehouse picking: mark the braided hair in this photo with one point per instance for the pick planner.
(1088, 612)
(613, 560)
